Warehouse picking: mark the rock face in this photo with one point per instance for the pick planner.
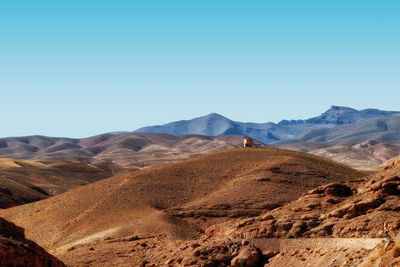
(212, 253)
(15, 250)
(369, 209)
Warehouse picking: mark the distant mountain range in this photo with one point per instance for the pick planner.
(382, 128)
(340, 134)
(337, 124)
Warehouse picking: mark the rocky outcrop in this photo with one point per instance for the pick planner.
(333, 189)
(213, 253)
(361, 209)
(16, 250)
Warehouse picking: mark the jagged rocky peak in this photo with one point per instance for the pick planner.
(215, 124)
(341, 108)
(339, 115)
(334, 115)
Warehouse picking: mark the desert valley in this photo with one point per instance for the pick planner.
(199, 133)
(317, 192)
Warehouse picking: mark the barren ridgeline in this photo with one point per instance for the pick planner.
(199, 133)
(150, 214)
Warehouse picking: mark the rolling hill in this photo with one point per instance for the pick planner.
(369, 155)
(23, 181)
(36, 167)
(132, 218)
(138, 150)
(338, 134)
(130, 150)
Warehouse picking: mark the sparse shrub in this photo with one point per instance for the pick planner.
(396, 251)
(290, 236)
(377, 255)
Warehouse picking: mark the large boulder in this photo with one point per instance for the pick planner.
(249, 256)
(333, 189)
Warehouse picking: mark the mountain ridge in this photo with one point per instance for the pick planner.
(382, 128)
(173, 201)
(333, 134)
(215, 124)
(134, 149)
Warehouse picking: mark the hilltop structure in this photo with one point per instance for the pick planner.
(248, 142)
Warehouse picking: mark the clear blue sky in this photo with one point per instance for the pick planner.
(80, 68)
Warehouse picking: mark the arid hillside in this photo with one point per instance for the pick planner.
(370, 155)
(370, 210)
(25, 181)
(38, 167)
(138, 150)
(132, 218)
(340, 210)
(129, 149)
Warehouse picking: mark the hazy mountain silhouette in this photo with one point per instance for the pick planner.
(269, 132)
(383, 128)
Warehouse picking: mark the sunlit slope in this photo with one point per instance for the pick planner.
(25, 181)
(128, 149)
(177, 199)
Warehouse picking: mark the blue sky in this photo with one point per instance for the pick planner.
(80, 68)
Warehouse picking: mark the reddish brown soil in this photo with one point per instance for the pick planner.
(336, 210)
(163, 206)
(23, 181)
(369, 210)
(16, 250)
(130, 149)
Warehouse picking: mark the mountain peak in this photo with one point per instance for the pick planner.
(340, 108)
(215, 124)
(339, 115)
(214, 115)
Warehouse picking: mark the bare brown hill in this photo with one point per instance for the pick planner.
(46, 166)
(369, 210)
(334, 210)
(148, 149)
(16, 250)
(25, 181)
(135, 217)
(369, 155)
(130, 149)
